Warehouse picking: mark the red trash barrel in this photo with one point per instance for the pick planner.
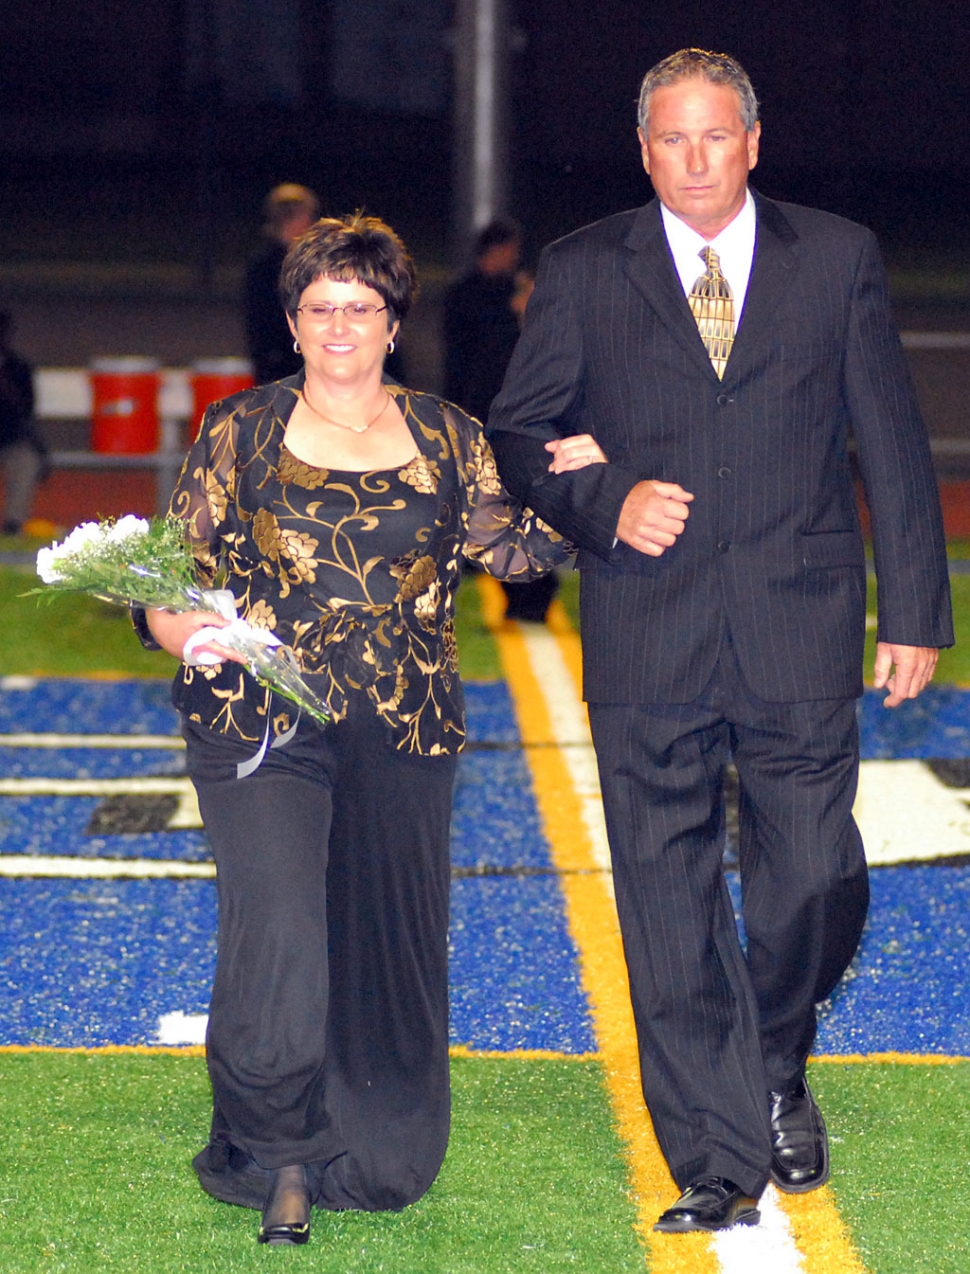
(215, 378)
(124, 413)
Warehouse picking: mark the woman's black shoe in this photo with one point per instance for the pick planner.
(286, 1212)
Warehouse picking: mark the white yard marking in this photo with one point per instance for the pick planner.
(120, 741)
(185, 816)
(904, 813)
(768, 1248)
(570, 729)
(182, 1028)
(149, 785)
(38, 865)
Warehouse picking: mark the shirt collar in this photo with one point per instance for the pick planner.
(734, 247)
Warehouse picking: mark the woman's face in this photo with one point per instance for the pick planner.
(339, 345)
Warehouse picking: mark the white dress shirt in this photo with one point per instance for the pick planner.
(734, 247)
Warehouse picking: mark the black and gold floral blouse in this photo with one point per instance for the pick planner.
(356, 572)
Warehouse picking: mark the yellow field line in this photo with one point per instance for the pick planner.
(198, 1050)
(111, 1050)
(592, 919)
(512, 1054)
(893, 1059)
(819, 1232)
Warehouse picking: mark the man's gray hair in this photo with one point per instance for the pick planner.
(698, 64)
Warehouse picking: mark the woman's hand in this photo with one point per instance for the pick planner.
(574, 453)
(172, 631)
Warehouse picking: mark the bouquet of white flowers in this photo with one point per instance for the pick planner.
(133, 561)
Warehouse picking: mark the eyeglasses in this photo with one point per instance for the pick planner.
(353, 312)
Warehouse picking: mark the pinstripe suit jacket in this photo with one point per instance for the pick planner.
(772, 545)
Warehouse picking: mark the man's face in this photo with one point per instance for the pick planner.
(698, 153)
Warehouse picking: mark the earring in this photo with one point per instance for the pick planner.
(389, 347)
(296, 347)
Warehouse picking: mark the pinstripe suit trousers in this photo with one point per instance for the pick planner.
(719, 1026)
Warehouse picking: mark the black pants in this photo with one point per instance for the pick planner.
(718, 1028)
(328, 1028)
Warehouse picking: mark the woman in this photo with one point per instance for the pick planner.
(338, 506)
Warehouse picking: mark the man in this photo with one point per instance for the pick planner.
(483, 310)
(22, 453)
(483, 315)
(723, 605)
(290, 211)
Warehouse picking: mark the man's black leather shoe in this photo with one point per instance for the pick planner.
(710, 1203)
(799, 1142)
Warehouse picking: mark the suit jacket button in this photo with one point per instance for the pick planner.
(724, 472)
(722, 546)
(724, 399)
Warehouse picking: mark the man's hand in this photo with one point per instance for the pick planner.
(914, 668)
(653, 515)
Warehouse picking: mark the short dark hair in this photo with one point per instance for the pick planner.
(348, 248)
(501, 230)
(699, 64)
(287, 201)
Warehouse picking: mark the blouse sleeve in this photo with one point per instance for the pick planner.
(505, 539)
(201, 500)
(206, 489)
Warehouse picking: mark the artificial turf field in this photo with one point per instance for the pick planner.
(539, 1175)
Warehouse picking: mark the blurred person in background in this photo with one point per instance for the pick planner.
(339, 506)
(289, 210)
(483, 318)
(22, 452)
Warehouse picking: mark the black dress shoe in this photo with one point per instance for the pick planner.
(286, 1212)
(799, 1142)
(710, 1203)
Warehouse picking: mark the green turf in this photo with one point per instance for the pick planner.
(96, 1176)
(77, 636)
(954, 665)
(899, 1155)
(477, 652)
(68, 636)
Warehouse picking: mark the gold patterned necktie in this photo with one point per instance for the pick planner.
(712, 306)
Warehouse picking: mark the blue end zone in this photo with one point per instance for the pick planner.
(909, 987)
(88, 962)
(93, 962)
(937, 724)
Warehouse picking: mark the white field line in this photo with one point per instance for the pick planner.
(170, 742)
(768, 1248)
(905, 813)
(570, 729)
(37, 865)
(186, 816)
(133, 785)
(182, 1028)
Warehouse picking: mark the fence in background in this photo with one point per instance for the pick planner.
(64, 393)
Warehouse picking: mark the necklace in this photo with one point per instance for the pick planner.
(356, 429)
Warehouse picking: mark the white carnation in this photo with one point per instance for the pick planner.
(45, 566)
(83, 535)
(127, 526)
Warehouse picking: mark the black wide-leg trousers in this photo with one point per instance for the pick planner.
(328, 1027)
(718, 1028)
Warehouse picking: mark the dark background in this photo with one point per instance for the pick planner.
(137, 131)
